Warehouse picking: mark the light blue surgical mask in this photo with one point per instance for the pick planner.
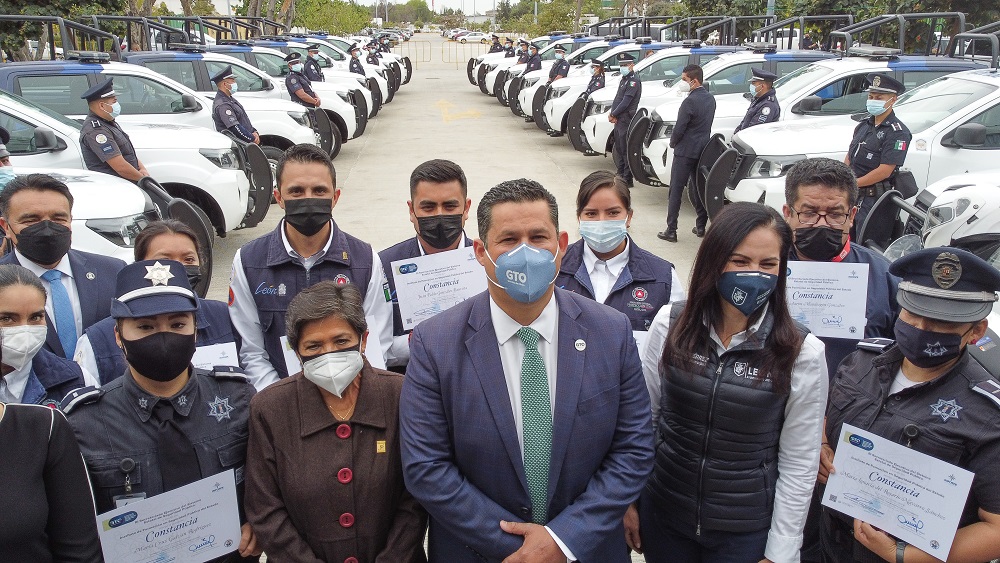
(593, 72)
(116, 110)
(876, 107)
(6, 175)
(753, 90)
(747, 290)
(233, 88)
(297, 67)
(525, 273)
(559, 56)
(603, 236)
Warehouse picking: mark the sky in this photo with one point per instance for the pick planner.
(464, 5)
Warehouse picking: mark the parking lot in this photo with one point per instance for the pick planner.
(440, 115)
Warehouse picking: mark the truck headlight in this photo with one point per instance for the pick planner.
(941, 214)
(599, 107)
(346, 96)
(299, 117)
(773, 166)
(558, 92)
(663, 129)
(223, 158)
(491, 68)
(528, 82)
(119, 230)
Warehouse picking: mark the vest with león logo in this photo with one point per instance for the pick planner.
(275, 278)
(717, 444)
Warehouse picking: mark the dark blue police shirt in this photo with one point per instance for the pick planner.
(763, 109)
(873, 146)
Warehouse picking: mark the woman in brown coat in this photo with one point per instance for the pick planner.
(324, 477)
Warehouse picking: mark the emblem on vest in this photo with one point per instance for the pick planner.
(268, 289)
(946, 409)
(743, 369)
(219, 408)
(639, 296)
(341, 279)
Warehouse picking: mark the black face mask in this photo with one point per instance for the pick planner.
(440, 231)
(161, 356)
(308, 215)
(44, 242)
(193, 274)
(819, 243)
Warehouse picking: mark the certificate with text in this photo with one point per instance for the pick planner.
(192, 524)
(427, 285)
(905, 493)
(829, 298)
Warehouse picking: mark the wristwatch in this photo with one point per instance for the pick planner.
(900, 550)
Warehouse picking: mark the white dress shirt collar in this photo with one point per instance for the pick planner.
(739, 337)
(307, 261)
(506, 327)
(13, 385)
(615, 265)
(63, 265)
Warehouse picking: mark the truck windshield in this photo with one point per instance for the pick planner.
(787, 85)
(931, 103)
(42, 109)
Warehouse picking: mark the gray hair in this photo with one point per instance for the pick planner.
(323, 300)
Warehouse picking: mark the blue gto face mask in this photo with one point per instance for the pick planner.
(603, 236)
(525, 273)
(747, 291)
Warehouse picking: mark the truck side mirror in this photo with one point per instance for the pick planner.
(809, 104)
(189, 103)
(970, 135)
(46, 140)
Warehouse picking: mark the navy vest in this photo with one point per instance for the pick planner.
(409, 248)
(716, 462)
(643, 286)
(275, 278)
(52, 378)
(213, 327)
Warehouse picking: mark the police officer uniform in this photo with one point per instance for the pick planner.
(642, 283)
(763, 108)
(561, 67)
(385, 48)
(954, 417)
(597, 80)
(355, 64)
(534, 62)
(508, 48)
(137, 445)
(874, 145)
(296, 81)
(372, 58)
(399, 352)
(496, 47)
(310, 67)
(623, 108)
(522, 58)
(102, 140)
(228, 113)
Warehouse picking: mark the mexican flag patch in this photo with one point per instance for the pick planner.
(900, 146)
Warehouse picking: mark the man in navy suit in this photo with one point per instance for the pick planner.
(689, 138)
(525, 429)
(36, 214)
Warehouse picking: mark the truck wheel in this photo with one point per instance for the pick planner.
(338, 142)
(273, 155)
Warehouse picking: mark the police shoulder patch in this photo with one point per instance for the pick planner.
(229, 112)
(766, 111)
(229, 372)
(897, 126)
(989, 389)
(101, 138)
(81, 396)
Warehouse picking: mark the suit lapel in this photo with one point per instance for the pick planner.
(570, 373)
(485, 354)
(86, 289)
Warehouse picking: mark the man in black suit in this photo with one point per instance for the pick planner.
(688, 140)
(36, 214)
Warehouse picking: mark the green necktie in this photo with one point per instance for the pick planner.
(536, 419)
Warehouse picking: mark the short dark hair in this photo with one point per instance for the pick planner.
(521, 190)
(144, 239)
(36, 182)
(694, 72)
(599, 180)
(305, 154)
(320, 301)
(15, 274)
(821, 171)
(438, 171)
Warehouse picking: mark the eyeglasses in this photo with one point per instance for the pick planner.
(810, 218)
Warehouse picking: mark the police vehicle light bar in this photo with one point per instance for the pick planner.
(873, 51)
(186, 47)
(243, 42)
(691, 43)
(610, 38)
(88, 56)
(557, 33)
(762, 47)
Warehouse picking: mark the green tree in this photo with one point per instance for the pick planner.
(336, 16)
(161, 10)
(14, 35)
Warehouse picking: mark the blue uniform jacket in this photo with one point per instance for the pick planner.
(356, 67)
(763, 109)
(627, 98)
(312, 70)
(534, 62)
(296, 81)
(228, 113)
(95, 277)
(596, 83)
(51, 379)
(560, 68)
(643, 286)
(213, 327)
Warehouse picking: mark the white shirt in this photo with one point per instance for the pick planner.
(85, 358)
(399, 351)
(604, 274)
(13, 384)
(512, 356)
(68, 282)
(901, 382)
(246, 318)
(801, 433)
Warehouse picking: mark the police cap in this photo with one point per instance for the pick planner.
(152, 287)
(559, 49)
(292, 57)
(353, 48)
(946, 284)
(884, 84)
(103, 90)
(626, 58)
(761, 75)
(597, 64)
(224, 74)
(508, 40)
(535, 46)
(313, 47)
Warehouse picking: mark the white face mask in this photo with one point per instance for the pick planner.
(334, 371)
(20, 344)
(684, 86)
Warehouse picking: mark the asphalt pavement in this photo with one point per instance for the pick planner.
(439, 114)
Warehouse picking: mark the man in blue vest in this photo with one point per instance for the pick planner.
(306, 248)
(439, 206)
(36, 214)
